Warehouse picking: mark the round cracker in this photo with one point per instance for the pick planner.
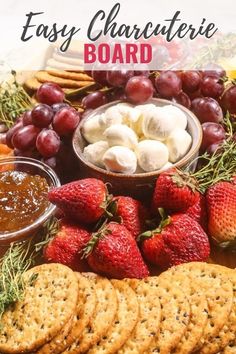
(43, 76)
(198, 310)
(70, 75)
(103, 317)
(227, 334)
(218, 291)
(49, 302)
(175, 312)
(125, 320)
(85, 308)
(149, 318)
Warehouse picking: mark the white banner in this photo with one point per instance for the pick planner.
(153, 34)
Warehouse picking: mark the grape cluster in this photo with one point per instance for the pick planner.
(203, 92)
(44, 132)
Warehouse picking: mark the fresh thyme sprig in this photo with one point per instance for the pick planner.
(221, 166)
(13, 101)
(17, 260)
(12, 266)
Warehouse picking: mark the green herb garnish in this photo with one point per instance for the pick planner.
(12, 266)
(14, 100)
(17, 260)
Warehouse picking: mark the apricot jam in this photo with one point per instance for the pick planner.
(23, 199)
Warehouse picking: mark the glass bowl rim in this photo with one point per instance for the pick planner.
(8, 236)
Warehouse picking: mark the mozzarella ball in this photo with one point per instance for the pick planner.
(152, 155)
(94, 152)
(157, 124)
(120, 159)
(92, 130)
(121, 135)
(111, 116)
(178, 116)
(178, 144)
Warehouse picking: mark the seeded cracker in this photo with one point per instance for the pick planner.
(175, 312)
(85, 308)
(227, 334)
(125, 320)
(103, 317)
(218, 291)
(149, 318)
(49, 303)
(198, 309)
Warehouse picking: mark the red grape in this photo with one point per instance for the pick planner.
(100, 76)
(32, 153)
(50, 93)
(212, 86)
(213, 70)
(183, 99)
(57, 106)
(139, 89)
(51, 162)
(195, 94)
(94, 100)
(212, 133)
(25, 137)
(143, 71)
(11, 132)
(65, 121)
(168, 84)
(27, 118)
(191, 81)
(48, 143)
(229, 100)
(213, 147)
(207, 110)
(117, 95)
(118, 78)
(42, 115)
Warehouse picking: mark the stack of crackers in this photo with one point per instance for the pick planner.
(189, 308)
(63, 68)
(68, 80)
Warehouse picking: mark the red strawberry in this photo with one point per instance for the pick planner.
(113, 252)
(133, 214)
(83, 200)
(198, 211)
(221, 207)
(67, 245)
(174, 191)
(179, 239)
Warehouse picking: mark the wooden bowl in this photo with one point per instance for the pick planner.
(139, 185)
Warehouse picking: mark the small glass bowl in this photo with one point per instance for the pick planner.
(33, 167)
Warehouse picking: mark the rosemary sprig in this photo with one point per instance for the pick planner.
(13, 101)
(17, 260)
